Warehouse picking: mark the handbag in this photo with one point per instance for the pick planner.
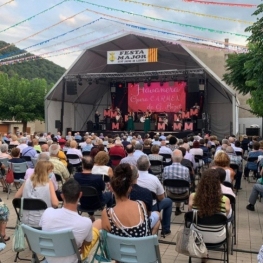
(19, 237)
(9, 176)
(190, 242)
(101, 253)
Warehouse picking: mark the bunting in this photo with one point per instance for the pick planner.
(221, 3)
(45, 29)
(31, 17)
(163, 20)
(8, 2)
(46, 55)
(167, 30)
(46, 41)
(188, 12)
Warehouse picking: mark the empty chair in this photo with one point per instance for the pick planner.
(56, 244)
(132, 249)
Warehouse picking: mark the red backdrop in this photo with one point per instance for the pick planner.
(157, 98)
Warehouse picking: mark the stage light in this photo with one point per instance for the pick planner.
(90, 81)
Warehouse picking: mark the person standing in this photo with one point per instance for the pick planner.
(130, 124)
(147, 122)
(97, 120)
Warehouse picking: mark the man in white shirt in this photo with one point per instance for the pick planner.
(164, 149)
(85, 233)
(152, 183)
(162, 137)
(22, 144)
(138, 151)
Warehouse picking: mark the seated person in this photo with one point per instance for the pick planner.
(86, 234)
(254, 153)
(144, 195)
(86, 177)
(73, 150)
(127, 218)
(15, 153)
(155, 156)
(209, 200)
(4, 215)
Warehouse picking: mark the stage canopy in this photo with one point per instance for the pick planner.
(95, 94)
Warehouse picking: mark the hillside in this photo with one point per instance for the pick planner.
(40, 68)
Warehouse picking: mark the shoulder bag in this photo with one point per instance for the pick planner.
(190, 242)
(19, 238)
(9, 175)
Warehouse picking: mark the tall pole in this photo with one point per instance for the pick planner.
(62, 105)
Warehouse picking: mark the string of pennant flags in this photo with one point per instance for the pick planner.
(187, 12)
(47, 54)
(220, 3)
(162, 20)
(8, 2)
(194, 38)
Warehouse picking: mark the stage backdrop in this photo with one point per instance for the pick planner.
(157, 98)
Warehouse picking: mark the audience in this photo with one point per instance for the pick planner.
(117, 150)
(130, 159)
(73, 150)
(15, 153)
(4, 152)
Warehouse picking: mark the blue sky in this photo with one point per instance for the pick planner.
(19, 10)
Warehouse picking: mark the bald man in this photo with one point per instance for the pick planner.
(177, 171)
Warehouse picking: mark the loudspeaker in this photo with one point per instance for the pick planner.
(72, 88)
(57, 124)
(199, 124)
(193, 85)
(89, 126)
(252, 131)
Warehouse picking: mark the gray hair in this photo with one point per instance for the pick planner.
(49, 142)
(43, 157)
(143, 163)
(229, 149)
(134, 173)
(225, 141)
(23, 140)
(138, 146)
(4, 148)
(54, 149)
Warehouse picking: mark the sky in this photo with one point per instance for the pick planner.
(64, 50)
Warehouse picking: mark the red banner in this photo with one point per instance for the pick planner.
(170, 97)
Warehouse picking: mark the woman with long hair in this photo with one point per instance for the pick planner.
(38, 186)
(208, 198)
(128, 218)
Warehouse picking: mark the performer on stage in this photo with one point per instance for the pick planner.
(97, 120)
(130, 124)
(147, 123)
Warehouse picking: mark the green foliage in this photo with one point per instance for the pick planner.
(244, 71)
(40, 68)
(22, 99)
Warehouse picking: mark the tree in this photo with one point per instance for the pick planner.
(244, 71)
(22, 99)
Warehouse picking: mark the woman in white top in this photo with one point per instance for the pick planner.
(38, 186)
(196, 150)
(73, 150)
(100, 164)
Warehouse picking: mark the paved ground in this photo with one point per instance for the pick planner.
(249, 233)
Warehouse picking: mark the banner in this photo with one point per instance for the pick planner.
(132, 56)
(170, 97)
(221, 3)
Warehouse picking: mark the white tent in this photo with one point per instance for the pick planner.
(78, 109)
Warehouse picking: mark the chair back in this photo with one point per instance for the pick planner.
(156, 163)
(4, 161)
(147, 151)
(86, 153)
(228, 184)
(167, 159)
(26, 158)
(18, 167)
(59, 178)
(176, 183)
(11, 146)
(252, 159)
(72, 156)
(115, 157)
(198, 157)
(131, 250)
(234, 166)
(41, 143)
(91, 198)
(239, 153)
(51, 244)
(28, 204)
